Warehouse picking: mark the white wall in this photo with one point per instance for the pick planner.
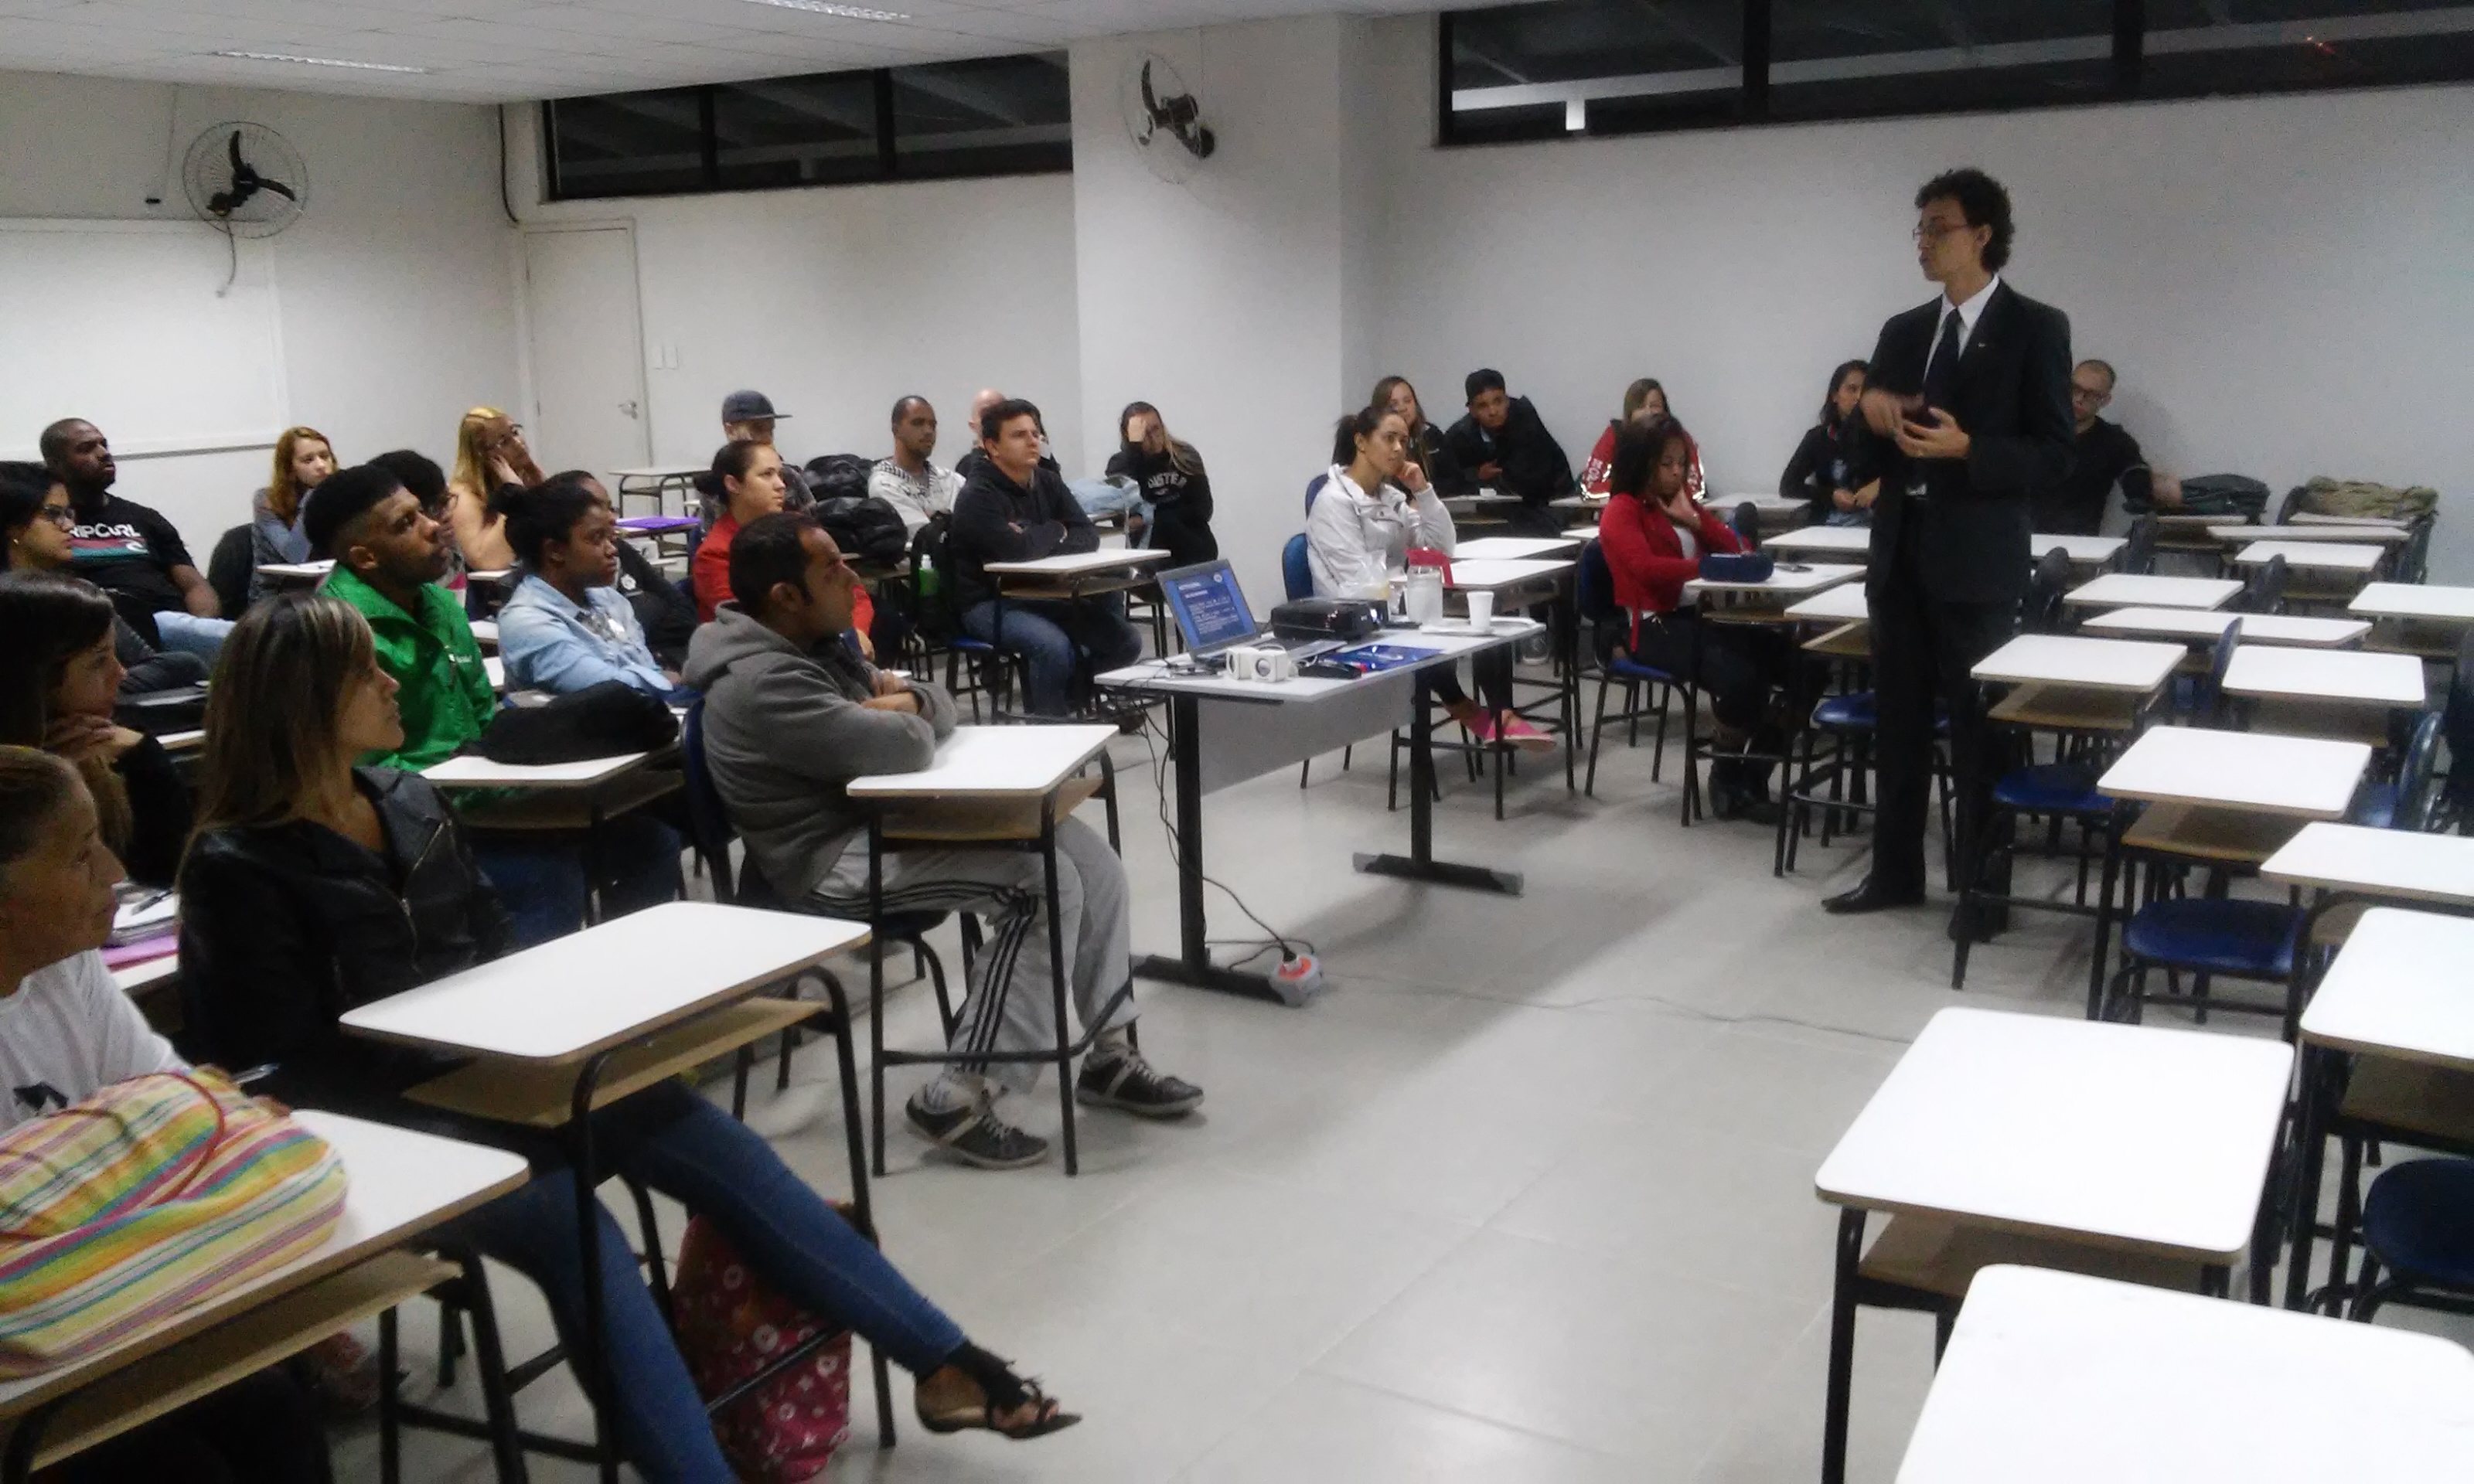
(396, 292)
(833, 301)
(2281, 281)
(1223, 299)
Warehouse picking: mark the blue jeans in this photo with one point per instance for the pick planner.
(185, 633)
(541, 881)
(1102, 497)
(683, 1146)
(1055, 636)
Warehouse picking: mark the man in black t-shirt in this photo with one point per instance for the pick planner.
(2104, 454)
(128, 550)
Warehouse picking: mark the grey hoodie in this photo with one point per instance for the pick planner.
(785, 730)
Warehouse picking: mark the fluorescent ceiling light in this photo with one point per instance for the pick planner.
(845, 11)
(321, 61)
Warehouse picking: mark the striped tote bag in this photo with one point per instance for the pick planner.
(142, 1200)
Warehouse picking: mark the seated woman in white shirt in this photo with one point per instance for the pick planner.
(1361, 529)
(68, 1032)
(567, 627)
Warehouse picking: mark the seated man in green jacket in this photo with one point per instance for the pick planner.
(389, 556)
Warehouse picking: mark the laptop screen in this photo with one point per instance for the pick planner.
(1210, 607)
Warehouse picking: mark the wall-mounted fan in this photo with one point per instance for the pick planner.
(1163, 118)
(245, 180)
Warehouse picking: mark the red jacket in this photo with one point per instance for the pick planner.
(1602, 463)
(1645, 555)
(710, 575)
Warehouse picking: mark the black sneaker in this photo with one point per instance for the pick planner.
(1126, 1081)
(977, 1135)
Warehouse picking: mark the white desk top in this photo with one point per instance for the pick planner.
(470, 771)
(1837, 541)
(1488, 548)
(2414, 600)
(1079, 564)
(565, 999)
(1153, 675)
(182, 741)
(2032, 1391)
(1842, 604)
(2386, 862)
(133, 977)
(2239, 770)
(2098, 665)
(2325, 675)
(992, 762)
(1769, 502)
(399, 1183)
(2137, 589)
(2130, 1137)
(1579, 502)
(1813, 577)
(2195, 623)
(2304, 518)
(2331, 555)
(1482, 498)
(496, 669)
(2399, 989)
(664, 471)
(1586, 533)
(2377, 535)
(297, 571)
(2085, 550)
(1496, 575)
(485, 632)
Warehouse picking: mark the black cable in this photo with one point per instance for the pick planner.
(1272, 937)
(504, 204)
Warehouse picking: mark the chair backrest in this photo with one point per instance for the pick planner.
(2210, 701)
(1296, 573)
(2042, 613)
(1314, 486)
(2413, 561)
(233, 563)
(1746, 522)
(2292, 502)
(2456, 727)
(1593, 589)
(2416, 801)
(2139, 552)
(2265, 593)
(709, 830)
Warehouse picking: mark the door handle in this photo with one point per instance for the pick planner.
(630, 409)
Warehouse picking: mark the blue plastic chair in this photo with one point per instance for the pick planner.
(1297, 572)
(2409, 801)
(2419, 1224)
(1593, 599)
(1314, 486)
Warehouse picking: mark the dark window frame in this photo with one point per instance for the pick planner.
(2131, 77)
(888, 162)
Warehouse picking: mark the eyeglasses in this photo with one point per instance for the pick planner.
(1938, 230)
(59, 516)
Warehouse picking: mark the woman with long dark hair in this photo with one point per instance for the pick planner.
(35, 521)
(1826, 470)
(315, 886)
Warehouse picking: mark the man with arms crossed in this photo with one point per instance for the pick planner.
(1968, 413)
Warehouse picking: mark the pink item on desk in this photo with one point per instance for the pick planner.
(143, 950)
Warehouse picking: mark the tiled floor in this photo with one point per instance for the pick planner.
(1526, 1196)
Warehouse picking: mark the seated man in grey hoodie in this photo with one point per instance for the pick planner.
(792, 715)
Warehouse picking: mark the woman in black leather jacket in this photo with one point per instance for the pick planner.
(313, 887)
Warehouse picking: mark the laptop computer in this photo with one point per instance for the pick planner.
(1213, 616)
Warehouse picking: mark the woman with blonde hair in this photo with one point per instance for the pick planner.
(489, 451)
(1176, 492)
(303, 458)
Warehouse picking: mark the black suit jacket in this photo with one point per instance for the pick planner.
(2013, 397)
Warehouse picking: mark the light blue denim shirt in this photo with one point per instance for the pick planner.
(551, 644)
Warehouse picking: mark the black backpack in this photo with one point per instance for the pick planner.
(864, 527)
(835, 476)
(599, 721)
(666, 615)
(930, 592)
(2223, 495)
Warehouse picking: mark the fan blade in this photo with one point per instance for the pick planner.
(279, 189)
(238, 196)
(233, 147)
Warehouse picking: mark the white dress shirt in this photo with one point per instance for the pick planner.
(1968, 314)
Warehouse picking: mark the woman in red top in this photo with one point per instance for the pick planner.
(1653, 536)
(1644, 401)
(749, 475)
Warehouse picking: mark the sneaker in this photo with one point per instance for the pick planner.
(1517, 731)
(977, 1135)
(1126, 1081)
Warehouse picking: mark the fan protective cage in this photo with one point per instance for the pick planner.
(206, 172)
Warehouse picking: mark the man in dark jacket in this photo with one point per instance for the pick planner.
(1967, 413)
(2104, 454)
(1502, 444)
(1013, 510)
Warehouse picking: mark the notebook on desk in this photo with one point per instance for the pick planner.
(1213, 616)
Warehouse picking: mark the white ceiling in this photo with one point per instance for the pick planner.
(489, 51)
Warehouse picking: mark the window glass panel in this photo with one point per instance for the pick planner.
(796, 131)
(2206, 46)
(1529, 71)
(1837, 58)
(629, 144)
(989, 115)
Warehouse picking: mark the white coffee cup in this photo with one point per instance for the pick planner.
(1481, 612)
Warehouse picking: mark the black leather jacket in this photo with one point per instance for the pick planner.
(283, 927)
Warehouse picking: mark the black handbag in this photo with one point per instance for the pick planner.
(599, 721)
(1737, 566)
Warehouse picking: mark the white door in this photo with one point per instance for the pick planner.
(588, 351)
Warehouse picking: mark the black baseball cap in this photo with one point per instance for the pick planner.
(748, 407)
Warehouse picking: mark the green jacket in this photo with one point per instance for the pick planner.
(445, 697)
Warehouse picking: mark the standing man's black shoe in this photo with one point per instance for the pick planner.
(1873, 894)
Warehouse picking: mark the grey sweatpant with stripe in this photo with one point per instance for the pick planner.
(1012, 1006)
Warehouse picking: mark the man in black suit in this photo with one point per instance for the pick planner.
(1968, 415)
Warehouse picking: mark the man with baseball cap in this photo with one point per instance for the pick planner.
(748, 417)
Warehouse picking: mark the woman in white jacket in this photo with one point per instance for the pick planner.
(1360, 530)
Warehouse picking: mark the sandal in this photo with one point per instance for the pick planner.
(1001, 1392)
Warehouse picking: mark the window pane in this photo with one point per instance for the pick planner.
(628, 144)
(796, 131)
(1530, 71)
(989, 115)
(1837, 58)
(2195, 47)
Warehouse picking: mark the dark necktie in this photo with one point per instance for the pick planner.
(1941, 372)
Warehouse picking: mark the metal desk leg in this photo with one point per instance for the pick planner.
(1192, 966)
(592, 1374)
(1420, 864)
(2311, 1141)
(1842, 1349)
(1057, 977)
